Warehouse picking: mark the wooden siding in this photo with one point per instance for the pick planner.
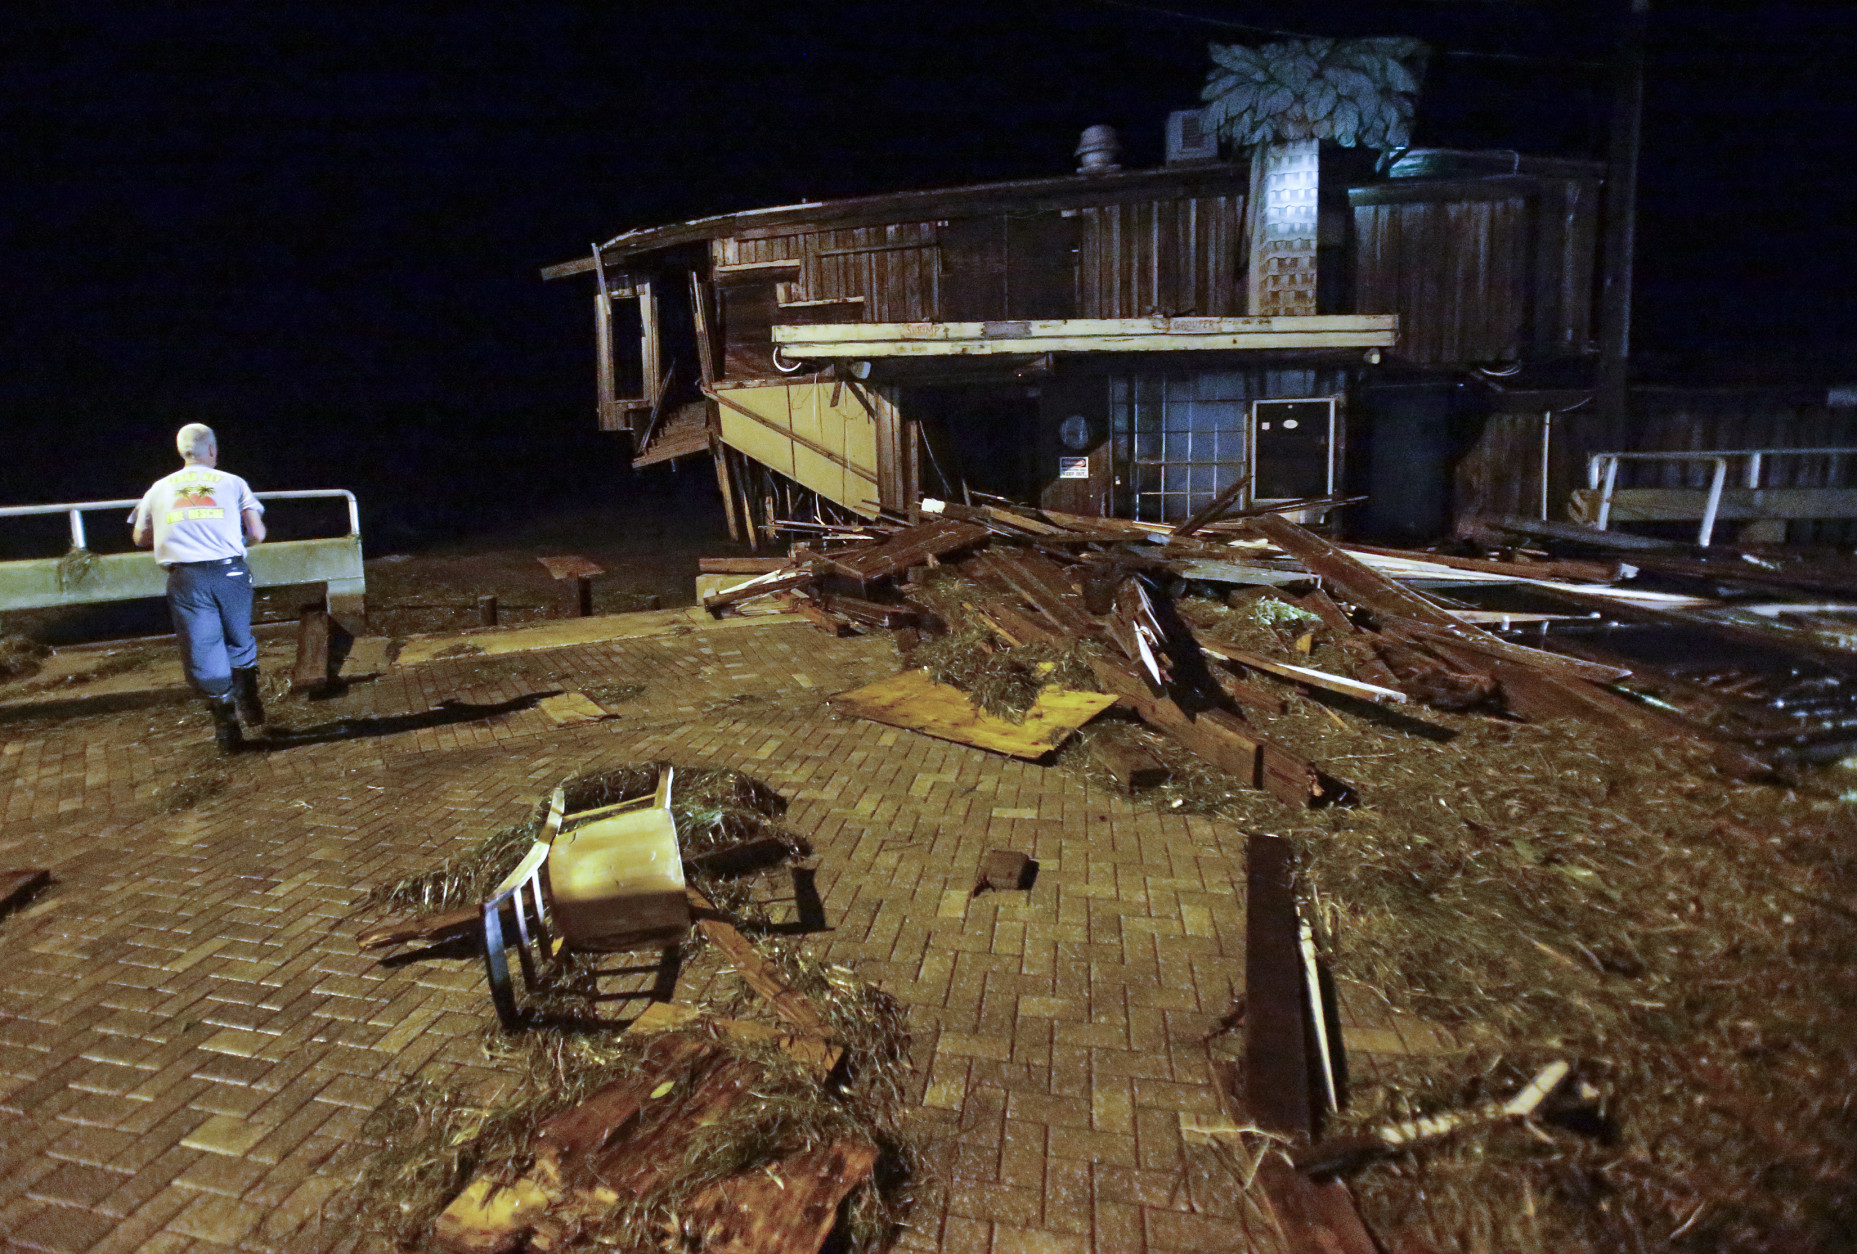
(1182, 256)
(893, 268)
(1454, 273)
(1481, 272)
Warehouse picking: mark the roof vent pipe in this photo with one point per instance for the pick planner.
(1098, 150)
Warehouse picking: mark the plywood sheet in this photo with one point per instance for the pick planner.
(914, 701)
(819, 434)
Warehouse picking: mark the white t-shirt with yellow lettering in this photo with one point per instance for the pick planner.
(197, 515)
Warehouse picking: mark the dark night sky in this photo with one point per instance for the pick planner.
(318, 225)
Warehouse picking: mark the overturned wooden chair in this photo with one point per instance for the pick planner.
(602, 880)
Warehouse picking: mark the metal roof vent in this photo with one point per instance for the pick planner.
(1189, 139)
(1098, 150)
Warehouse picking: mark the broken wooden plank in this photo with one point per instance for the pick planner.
(443, 926)
(1529, 685)
(684, 433)
(1213, 509)
(1314, 1218)
(1016, 625)
(1557, 664)
(781, 580)
(1249, 696)
(1308, 675)
(571, 566)
(908, 547)
(739, 565)
(1132, 766)
(1349, 638)
(868, 613)
(788, 1207)
(1044, 585)
(915, 701)
(1222, 739)
(1277, 1092)
(813, 1052)
(756, 970)
(1003, 870)
(1287, 776)
(1572, 570)
(826, 621)
(568, 708)
(1137, 631)
(311, 671)
(623, 1140)
(1543, 529)
(1363, 585)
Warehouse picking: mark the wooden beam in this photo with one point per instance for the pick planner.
(1478, 641)
(1039, 328)
(311, 671)
(1071, 335)
(1277, 1091)
(705, 343)
(740, 565)
(756, 970)
(1132, 766)
(1307, 675)
(719, 453)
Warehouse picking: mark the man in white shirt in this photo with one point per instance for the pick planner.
(198, 520)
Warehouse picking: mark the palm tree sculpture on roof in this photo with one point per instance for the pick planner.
(1283, 101)
(1355, 92)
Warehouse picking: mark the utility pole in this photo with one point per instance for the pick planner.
(1621, 227)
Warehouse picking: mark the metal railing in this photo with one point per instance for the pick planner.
(77, 510)
(1602, 476)
(82, 577)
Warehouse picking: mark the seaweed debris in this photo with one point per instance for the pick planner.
(1574, 871)
(434, 1136)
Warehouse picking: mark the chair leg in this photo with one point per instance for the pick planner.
(496, 966)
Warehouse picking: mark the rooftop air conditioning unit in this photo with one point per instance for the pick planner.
(1189, 139)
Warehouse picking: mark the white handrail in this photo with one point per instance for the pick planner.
(1602, 475)
(76, 509)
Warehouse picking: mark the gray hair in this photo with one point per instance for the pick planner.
(195, 439)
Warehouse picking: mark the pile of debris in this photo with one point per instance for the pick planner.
(1561, 863)
(755, 1104)
(1130, 610)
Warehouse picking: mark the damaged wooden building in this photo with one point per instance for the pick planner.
(1119, 342)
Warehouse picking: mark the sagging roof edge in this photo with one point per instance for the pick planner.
(1052, 193)
(1065, 191)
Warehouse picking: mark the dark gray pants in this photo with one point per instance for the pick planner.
(211, 606)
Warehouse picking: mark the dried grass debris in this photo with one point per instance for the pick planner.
(20, 657)
(433, 1137)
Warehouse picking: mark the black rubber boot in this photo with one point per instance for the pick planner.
(245, 697)
(225, 724)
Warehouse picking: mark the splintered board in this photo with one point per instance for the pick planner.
(572, 707)
(914, 701)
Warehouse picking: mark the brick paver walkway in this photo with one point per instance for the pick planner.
(189, 1042)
